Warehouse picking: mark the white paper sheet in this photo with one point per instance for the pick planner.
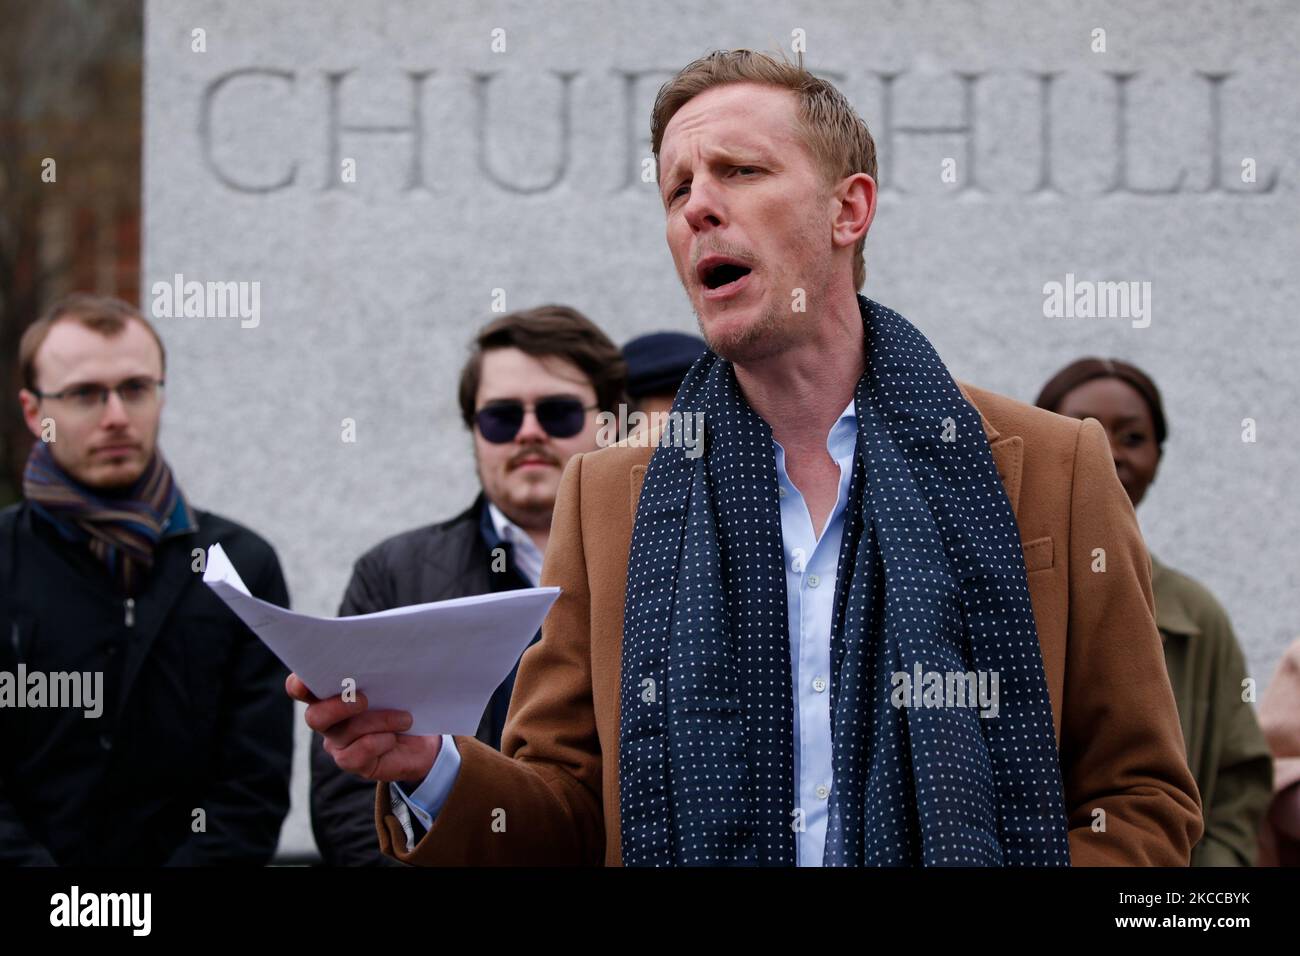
(440, 661)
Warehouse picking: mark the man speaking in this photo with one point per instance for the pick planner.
(719, 681)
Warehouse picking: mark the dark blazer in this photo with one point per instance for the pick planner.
(194, 718)
(439, 561)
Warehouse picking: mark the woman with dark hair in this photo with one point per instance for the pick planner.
(1226, 749)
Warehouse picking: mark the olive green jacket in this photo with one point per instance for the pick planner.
(1226, 749)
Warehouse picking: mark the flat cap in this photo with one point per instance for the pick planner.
(657, 363)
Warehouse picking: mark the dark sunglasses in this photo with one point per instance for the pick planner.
(499, 422)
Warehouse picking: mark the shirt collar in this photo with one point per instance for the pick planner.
(1172, 611)
(507, 530)
(180, 521)
(843, 434)
(840, 440)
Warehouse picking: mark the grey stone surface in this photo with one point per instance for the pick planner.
(520, 170)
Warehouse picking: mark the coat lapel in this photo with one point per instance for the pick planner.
(638, 479)
(1008, 454)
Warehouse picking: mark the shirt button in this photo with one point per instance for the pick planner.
(813, 580)
(823, 792)
(105, 741)
(780, 491)
(819, 684)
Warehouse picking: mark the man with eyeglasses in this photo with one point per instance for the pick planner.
(141, 723)
(529, 394)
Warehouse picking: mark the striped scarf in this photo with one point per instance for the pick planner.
(121, 530)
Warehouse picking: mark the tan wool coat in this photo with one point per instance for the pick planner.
(551, 796)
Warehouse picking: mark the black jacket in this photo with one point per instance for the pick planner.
(195, 716)
(440, 561)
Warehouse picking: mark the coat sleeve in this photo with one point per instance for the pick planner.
(1243, 783)
(538, 801)
(18, 845)
(1129, 795)
(249, 798)
(343, 804)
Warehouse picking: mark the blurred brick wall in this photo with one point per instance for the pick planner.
(70, 90)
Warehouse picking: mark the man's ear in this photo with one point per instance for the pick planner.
(857, 197)
(31, 411)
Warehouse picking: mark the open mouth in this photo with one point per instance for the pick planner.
(716, 273)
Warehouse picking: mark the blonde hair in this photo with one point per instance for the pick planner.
(840, 142)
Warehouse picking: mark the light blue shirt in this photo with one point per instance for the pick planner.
(526, 556)
(810, 566)
(810, 578)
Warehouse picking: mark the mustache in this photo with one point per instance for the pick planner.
(125, 443)
(722, 249)
(534, 453)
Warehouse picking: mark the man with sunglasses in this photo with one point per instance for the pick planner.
(184, 757)
(529, 394)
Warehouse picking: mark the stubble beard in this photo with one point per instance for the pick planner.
(760, 339)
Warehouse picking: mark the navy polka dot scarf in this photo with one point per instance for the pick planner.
(931, 579)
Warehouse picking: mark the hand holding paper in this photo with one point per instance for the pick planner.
(440, 662)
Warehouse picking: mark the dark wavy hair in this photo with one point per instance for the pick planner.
(549, 330)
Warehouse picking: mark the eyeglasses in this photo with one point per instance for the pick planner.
(499, 422)
(135, 393)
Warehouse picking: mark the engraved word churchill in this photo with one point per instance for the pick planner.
(319, 109)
